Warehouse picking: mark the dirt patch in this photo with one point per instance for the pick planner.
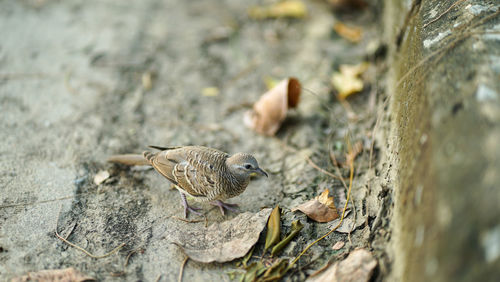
(74, 89)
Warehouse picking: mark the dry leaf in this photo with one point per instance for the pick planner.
(358, 266)
(275, 271)
(273, 228)
(339, 245)
(101, 176)
(347, 81)
(223, 241)
(254, 270)
(210, 91)
(283, 9)
(54, 275)
(296, 227)
(320, 209)
(269, 112)
(350, 33)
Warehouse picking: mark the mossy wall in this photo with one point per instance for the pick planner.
(444, 92)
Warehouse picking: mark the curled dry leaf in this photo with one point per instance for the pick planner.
(273, 228)
(283, 9)
(101, 176)
(347, 81)
(222, 242)
(55, 275)
(269, 112)
(350, 33)
(320, 209)
(358, 266)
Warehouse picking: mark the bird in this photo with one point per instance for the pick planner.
(205, 174)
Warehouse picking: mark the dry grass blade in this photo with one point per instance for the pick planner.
(181, 271)
(442, 14)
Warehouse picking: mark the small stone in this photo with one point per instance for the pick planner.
(101, 176)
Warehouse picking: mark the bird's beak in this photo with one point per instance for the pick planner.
(261, 171)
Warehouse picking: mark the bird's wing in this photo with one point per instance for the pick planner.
(188, 168)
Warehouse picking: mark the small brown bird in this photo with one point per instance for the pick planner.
(206, 174)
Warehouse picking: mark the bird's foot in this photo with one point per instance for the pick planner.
(227, 206)
(188, 209)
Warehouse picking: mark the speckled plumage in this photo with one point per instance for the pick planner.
(203, 173)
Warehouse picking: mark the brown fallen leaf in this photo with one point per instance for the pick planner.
(270, 110)
(347, 81)
(54, 275)
(358, 266)
(350, 33)
(320, 209)
(224, 241)
(283, 9)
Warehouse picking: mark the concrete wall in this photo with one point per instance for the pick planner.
(445, 131)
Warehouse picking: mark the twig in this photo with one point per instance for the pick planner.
(40, 202)
(181, 271)
(23, 75)
(442, 14)
(82, 249)
(158, 278)
(126, 262)
(311, 163)
(188, 220)
(321, 269)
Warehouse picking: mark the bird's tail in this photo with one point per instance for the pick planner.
(129, 159)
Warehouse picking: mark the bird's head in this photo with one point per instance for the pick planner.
(244, 165)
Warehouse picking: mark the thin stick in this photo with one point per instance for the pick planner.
(82, 249)
(311, 163)
(40, 202)
(445, 12)
(188, 220)
(321, 269)
(181, 271)
(126, 262)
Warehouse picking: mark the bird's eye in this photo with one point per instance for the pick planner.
(248, 166)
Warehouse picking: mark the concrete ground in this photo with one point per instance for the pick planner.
(75, 88)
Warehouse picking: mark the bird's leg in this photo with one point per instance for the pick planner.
(222, 206)
(187, 207)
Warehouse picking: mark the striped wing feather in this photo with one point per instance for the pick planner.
(193, 169)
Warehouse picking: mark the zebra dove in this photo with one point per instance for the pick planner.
(203, 173)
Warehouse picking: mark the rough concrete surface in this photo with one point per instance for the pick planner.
(445, 106)
(74, 89)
